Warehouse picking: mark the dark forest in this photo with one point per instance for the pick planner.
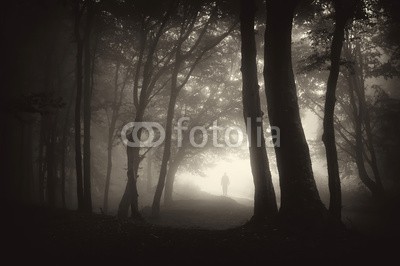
(200, 132)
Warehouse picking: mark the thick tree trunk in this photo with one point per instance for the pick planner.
(265, 206)
(130, 196)
(78, 101)
(300, 201)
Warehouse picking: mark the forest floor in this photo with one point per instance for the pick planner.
(59, 237)
(210, 212)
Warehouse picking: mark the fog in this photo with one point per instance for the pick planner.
(174, 129)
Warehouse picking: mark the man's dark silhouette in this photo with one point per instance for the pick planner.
(225, 183)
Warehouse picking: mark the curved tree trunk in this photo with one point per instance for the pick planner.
(300, 201)
(130, 194)
(328, 137)
(265, 206)
(342, 15)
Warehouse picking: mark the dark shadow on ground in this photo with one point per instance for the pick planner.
(55, 237)
(215, 212)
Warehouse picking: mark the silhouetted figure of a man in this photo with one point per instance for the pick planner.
(225, 183)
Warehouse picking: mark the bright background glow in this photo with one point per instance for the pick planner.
(239, 170)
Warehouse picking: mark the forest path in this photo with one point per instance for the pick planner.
(216, 212)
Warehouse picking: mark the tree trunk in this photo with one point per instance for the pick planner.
(360, 91)
(87, 197)
(30, 173)
(359, 149)
(64, 149)
(371, 148)
(51, 168)
(78, 101)
(109, 164)
(265, 206)
(130, 196)
(169, 185)
(111, 130)
(110, 141)
(41, 162)
(167, 144)
(180, 58)
(300, 201)
(63, 167)
(26, 163)
(343, 14)
(148, 172)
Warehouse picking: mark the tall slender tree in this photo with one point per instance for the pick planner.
(150, 39)
(116, 106)
(344, 10)
(87, 95)
(194, 55)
